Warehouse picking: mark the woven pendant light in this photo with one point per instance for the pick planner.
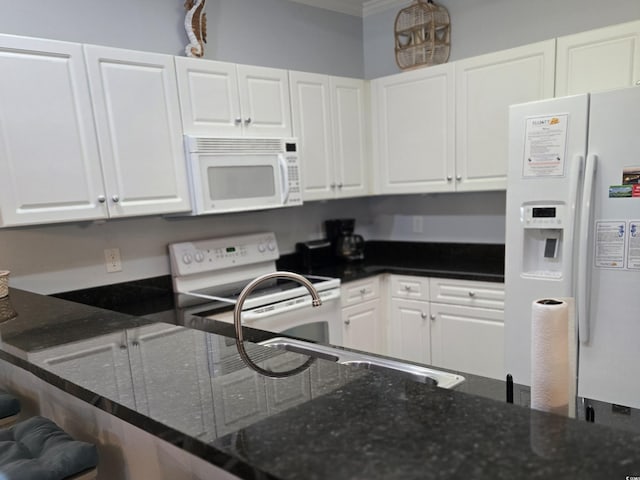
(422, 35)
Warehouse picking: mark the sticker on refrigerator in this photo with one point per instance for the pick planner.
(545, 144)
(631, 176)
(633, 255)
(609, 243)
(620, 191)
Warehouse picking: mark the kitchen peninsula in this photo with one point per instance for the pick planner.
(186, 387)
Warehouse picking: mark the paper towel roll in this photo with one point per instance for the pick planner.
(550, 356)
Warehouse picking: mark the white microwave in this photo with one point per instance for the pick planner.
(238, 174)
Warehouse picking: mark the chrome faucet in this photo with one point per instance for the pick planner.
(237, 311)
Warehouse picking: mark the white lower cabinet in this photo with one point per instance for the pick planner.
(362, 316)
(448, 323)
(467, 339)
(410, 332)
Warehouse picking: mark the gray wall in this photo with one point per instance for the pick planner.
(482, 26)
(275, 33)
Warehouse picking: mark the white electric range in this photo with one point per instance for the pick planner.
(210, 274)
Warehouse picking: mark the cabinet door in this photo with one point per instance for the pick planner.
(598, 59)
(311, 106)
(409, 330)
(183, 396)
(414, 137)
(49, 161)
(468, 339)
(135, 99)
(363, 327)
(486, 86)
(209, 99)
(348, 104)
(99, 364)
(264, 101)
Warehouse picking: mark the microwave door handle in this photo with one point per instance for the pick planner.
(284, 173)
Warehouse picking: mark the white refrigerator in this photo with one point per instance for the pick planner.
(573, 230)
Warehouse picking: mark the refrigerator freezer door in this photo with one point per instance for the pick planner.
(542, 205)
(609, 366)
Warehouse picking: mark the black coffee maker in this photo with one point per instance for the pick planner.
(346, 245)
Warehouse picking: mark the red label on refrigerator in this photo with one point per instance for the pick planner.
(635, 192)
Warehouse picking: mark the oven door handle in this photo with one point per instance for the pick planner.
(278, 309)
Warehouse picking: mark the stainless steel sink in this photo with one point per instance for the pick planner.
(416, 373)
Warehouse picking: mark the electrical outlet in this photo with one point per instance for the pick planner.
(112, 260)
(417, 224)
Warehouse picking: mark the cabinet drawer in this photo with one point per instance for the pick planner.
(359, 291)
(467, 292)
(416, 288)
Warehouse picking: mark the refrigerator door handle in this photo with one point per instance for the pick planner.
(584, 270)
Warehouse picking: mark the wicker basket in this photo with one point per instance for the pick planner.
(4, 283)
(7, 311)
(422, 35)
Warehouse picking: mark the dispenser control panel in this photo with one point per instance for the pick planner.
(544, 216)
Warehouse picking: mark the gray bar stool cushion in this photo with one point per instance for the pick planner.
(37, 449)
(9, 405)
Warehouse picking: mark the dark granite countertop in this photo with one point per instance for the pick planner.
(330, 422)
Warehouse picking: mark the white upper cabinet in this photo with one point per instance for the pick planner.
(599, 59)
(413, 135)
(485, 87)
(49, 161)
(329, 120)
(311, 113)
(228, 100)
(135, 100)
(349, 107)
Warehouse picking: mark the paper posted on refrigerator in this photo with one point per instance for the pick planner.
(633, 257)
(545, 145)
(610, 243)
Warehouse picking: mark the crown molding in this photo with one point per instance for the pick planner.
(369, 7)
(349, 7)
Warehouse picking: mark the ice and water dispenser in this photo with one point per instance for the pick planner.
(544, 231)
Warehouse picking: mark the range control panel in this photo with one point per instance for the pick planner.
(189, 258)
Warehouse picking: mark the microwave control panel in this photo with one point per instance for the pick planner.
(191, 258)
(294, 194)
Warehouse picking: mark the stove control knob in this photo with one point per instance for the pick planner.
(186, 258)
(261, 247)
(199, 256)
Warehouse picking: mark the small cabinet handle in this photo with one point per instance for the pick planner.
(432, 316)
(638, 82)
(135, 343)
(458, 177)
(115, 198)
(333, 185)
(123, 346)
(339, 185)
(347, 322)
(449, 178)
(102, 198)
(247, 120)
(423, 315)
(238, 121)
(407, 288)
(363, 291)
(472, 293)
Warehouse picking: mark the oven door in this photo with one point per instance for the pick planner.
(297, 318)
(236, 182)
